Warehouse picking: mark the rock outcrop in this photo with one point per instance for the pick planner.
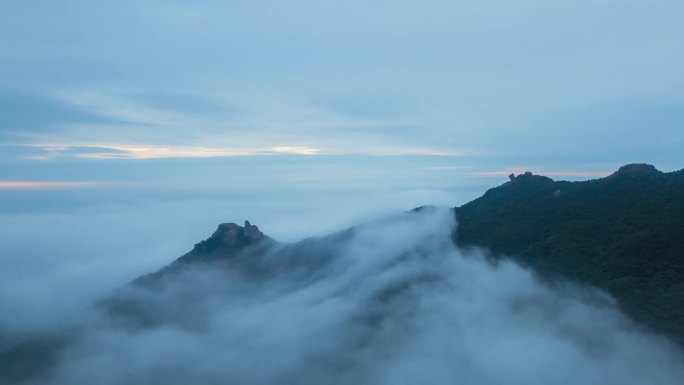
(635, 170)
(231, 234)
(527, 177)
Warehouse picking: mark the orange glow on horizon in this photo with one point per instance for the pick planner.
(46, 185)
(116, 151)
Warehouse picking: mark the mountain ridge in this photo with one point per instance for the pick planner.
(623, 233)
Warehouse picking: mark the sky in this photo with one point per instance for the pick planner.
(127, 123)
(576, 86)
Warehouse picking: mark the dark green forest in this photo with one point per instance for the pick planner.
(623, 233)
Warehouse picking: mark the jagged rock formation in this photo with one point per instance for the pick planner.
(233, 235)
(526, 177)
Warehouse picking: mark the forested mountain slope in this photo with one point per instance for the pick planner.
(623, 233)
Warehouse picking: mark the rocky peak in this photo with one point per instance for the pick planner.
(252, 232)
(232, 234)
(526, 177)
(636, 169)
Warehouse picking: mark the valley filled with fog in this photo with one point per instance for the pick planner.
(391, 301)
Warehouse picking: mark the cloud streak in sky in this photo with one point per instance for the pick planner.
(113, 151)
(126, 151)
(51, 185)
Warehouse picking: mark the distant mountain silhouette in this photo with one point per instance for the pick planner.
(623, 233)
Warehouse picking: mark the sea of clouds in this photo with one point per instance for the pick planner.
(388, 302)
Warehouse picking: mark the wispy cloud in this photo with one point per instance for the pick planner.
(295, 150)
(117, 151)
(150, 126)
(145, 151)
(49, 185)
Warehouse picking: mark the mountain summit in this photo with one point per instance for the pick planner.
(527, 177)
(637, 169)
(232, 235)
(229, 242)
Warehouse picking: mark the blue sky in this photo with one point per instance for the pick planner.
(183, 99)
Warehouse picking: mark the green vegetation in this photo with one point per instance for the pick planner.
(623, 233)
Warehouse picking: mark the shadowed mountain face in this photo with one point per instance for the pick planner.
(623, 233)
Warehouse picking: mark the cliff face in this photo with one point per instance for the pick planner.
(623, 233)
